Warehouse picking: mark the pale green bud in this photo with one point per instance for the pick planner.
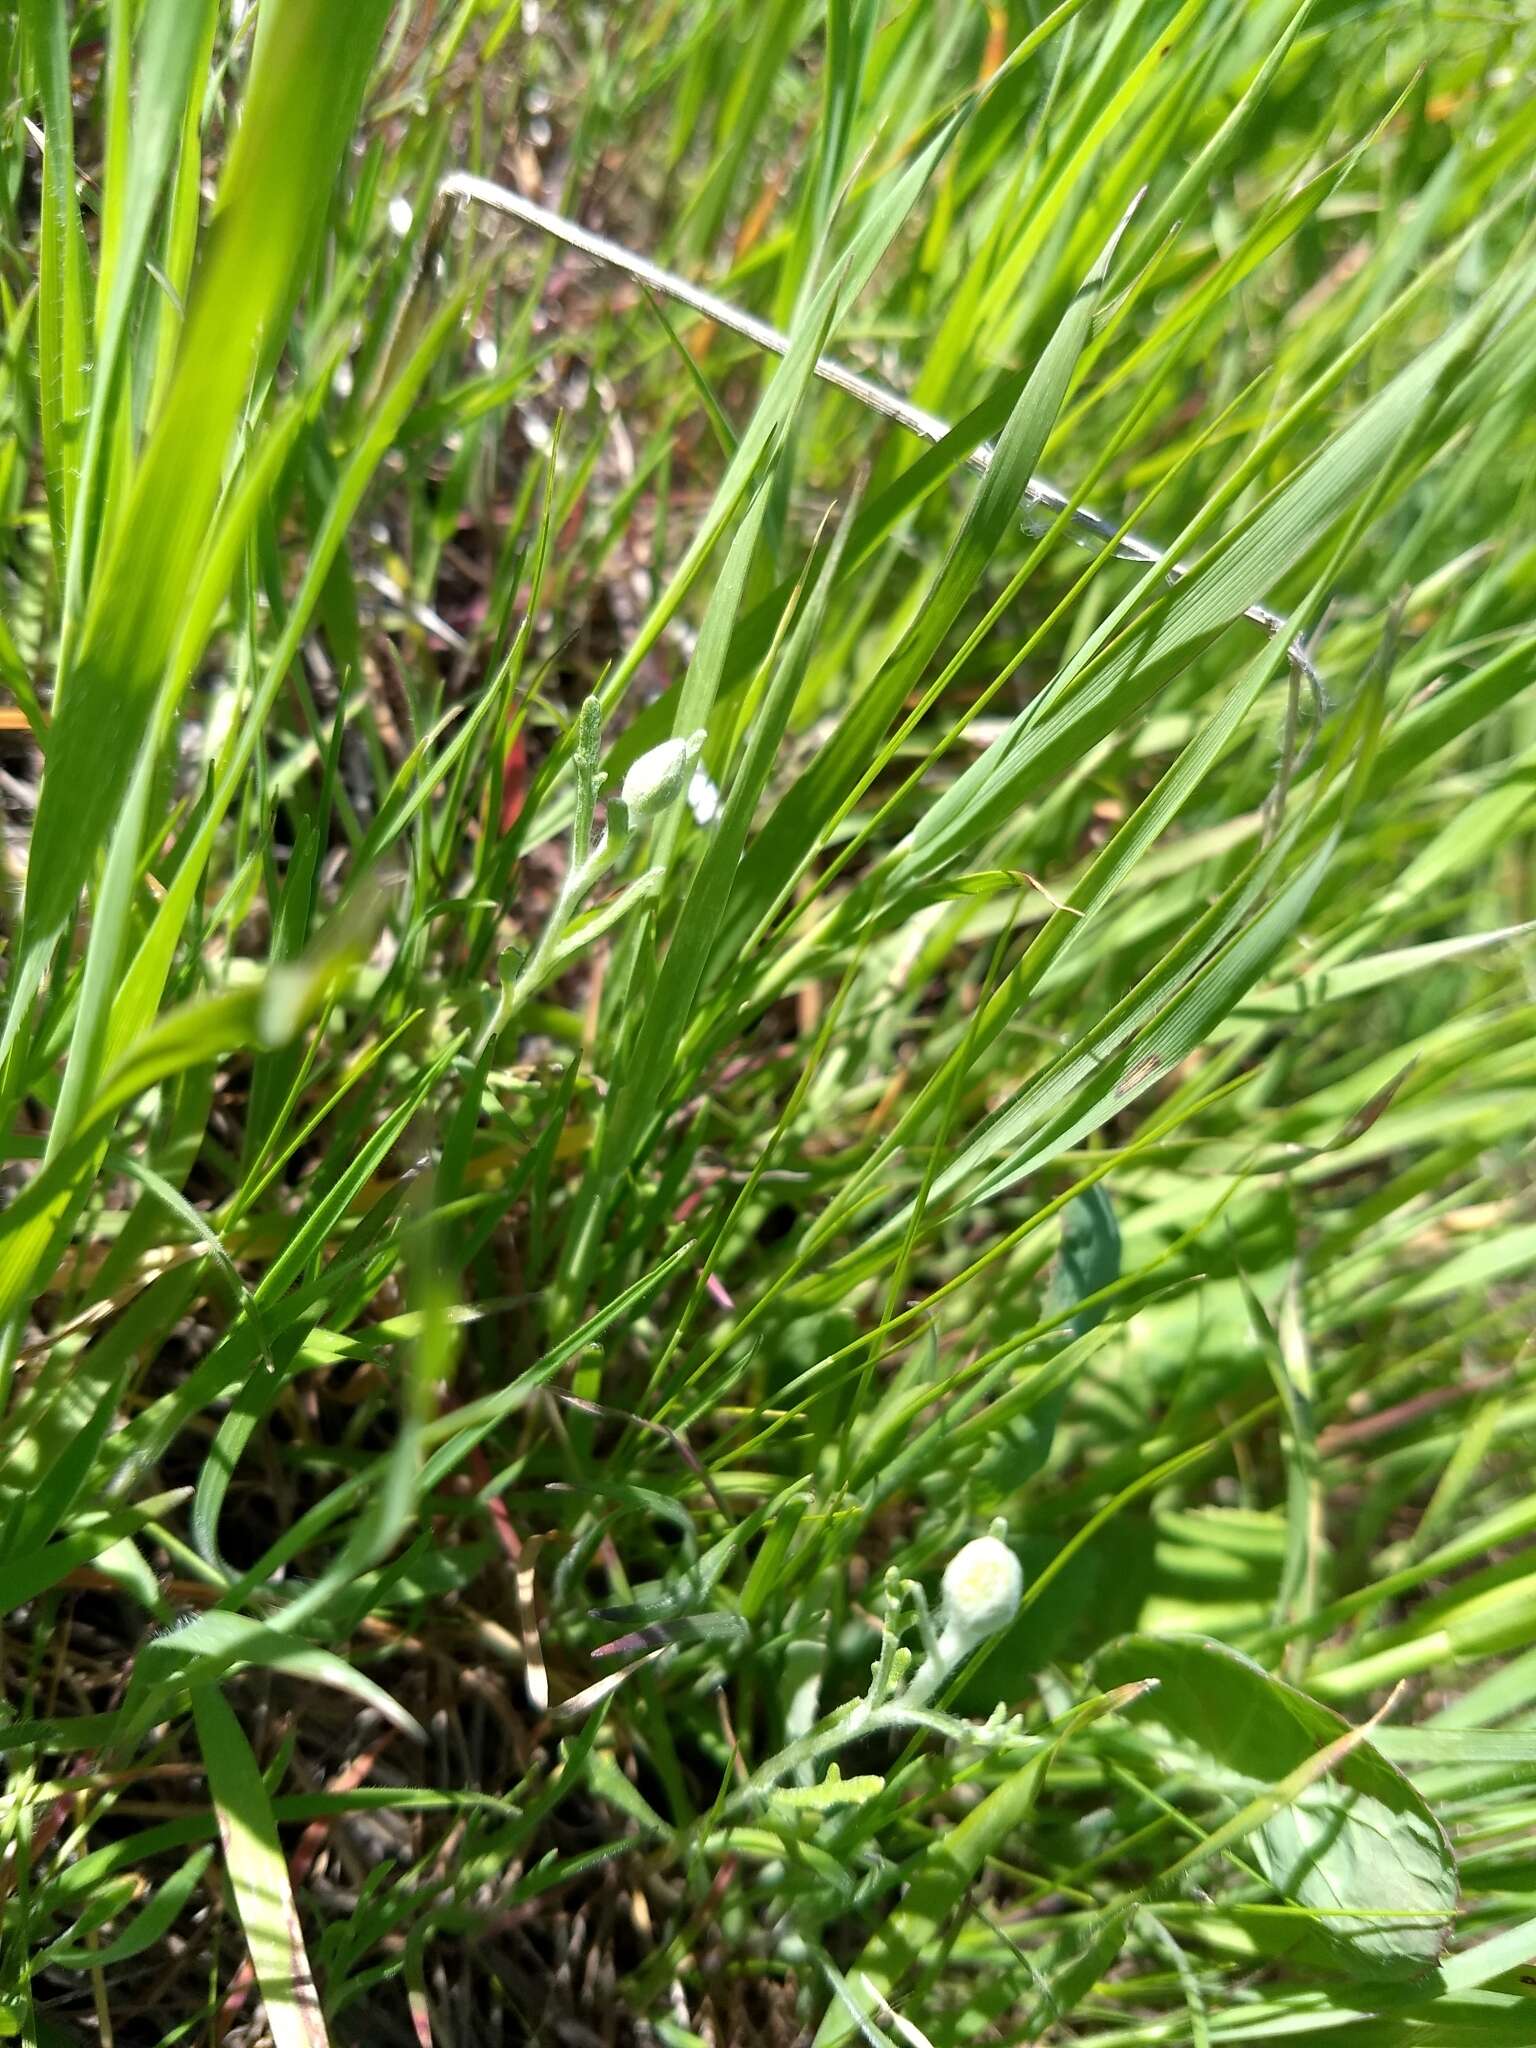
(656, 781)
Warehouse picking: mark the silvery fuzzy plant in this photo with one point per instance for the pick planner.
(652, 785)
(982, 1586)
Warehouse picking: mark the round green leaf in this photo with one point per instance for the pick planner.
(1358, 1848)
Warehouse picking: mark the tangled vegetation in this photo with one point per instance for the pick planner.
(767, 1048)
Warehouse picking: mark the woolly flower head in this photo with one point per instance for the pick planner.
(658, 778)
(983, 1584)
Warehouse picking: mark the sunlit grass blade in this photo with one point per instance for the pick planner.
(258, 1876)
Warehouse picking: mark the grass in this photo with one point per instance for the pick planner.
(526, 1258)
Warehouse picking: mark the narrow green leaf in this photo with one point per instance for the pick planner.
(258, 1877)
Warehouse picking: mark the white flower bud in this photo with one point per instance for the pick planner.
(983, 1584)
(658, 779)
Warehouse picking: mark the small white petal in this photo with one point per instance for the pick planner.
(535, 432)
(703, 798)
(400, 215)
(220, 718)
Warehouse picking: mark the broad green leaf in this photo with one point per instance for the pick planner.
(1089, 1260)
(1359, 1849)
